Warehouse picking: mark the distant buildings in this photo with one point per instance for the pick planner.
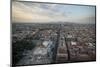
(54, 43)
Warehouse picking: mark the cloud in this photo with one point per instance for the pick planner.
(24, 12)
(43, 13)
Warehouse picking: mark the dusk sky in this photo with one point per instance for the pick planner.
(30, 12)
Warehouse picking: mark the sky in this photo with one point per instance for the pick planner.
(31, 12)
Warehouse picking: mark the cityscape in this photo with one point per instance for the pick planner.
(52, 33)
(53, 43)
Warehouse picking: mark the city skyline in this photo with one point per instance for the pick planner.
(23, 12)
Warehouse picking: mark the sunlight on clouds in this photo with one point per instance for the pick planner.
(20, 13)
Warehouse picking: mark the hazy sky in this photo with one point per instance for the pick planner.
(43, 13)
